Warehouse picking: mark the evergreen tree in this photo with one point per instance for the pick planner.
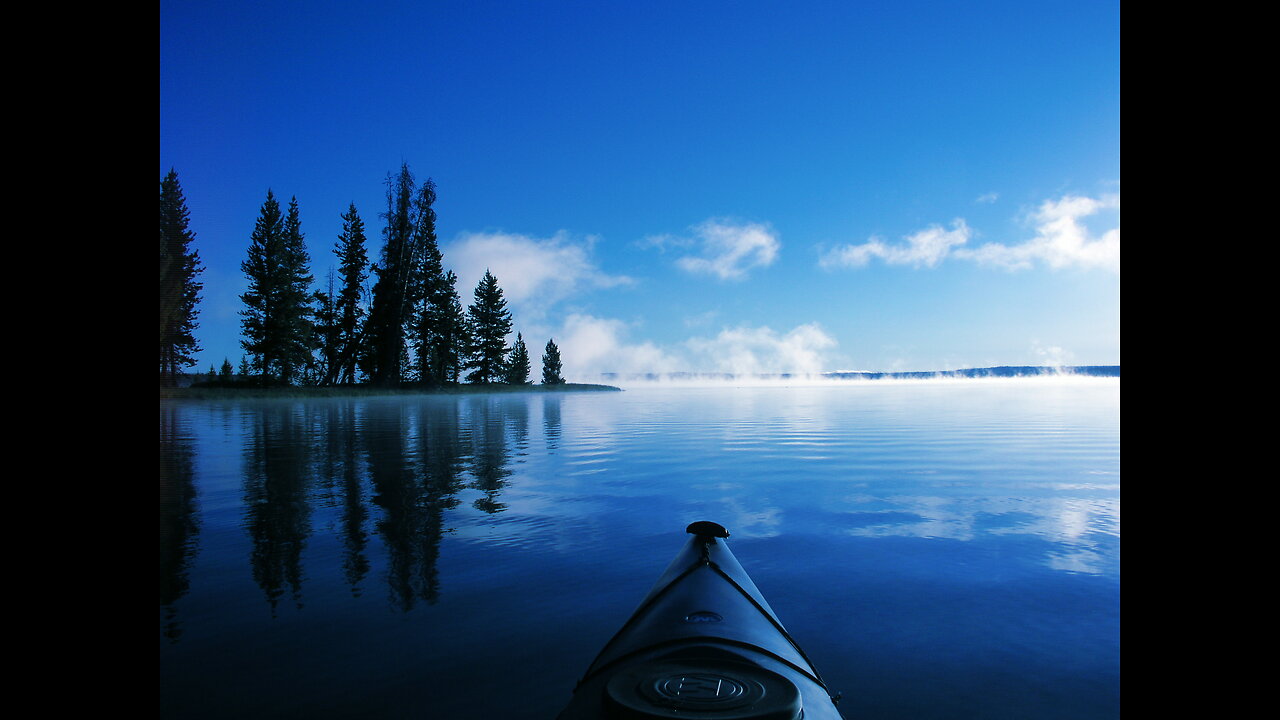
(392, 293)
(518, 364)
(551, 364)
(428, 292)
(224, 373)
(297, 340)
(449, 333)
(490, 323)
(327, 333)
(440, 330)
(179, 288)
(257, 320)
(276, 321)
(353, 264)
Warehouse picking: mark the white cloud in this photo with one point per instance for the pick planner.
(1062, 240)
(927, 247)
(534, 273)
(590, 346)
(728, 250)
(988, 198)
(804, 350)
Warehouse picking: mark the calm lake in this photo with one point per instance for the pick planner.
(941, 549)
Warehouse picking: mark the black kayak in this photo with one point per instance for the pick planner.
(703, 644)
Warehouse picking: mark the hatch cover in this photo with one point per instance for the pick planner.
(709, 690)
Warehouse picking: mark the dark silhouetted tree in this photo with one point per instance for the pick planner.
(327, 333)
(276, 321)
(518, 363)
(448, 333)
(551, 365)
(179, 288)
(297, 340)
(490, 323)
(353, 266)
(391, 310)
(432, 293)
(261, 267)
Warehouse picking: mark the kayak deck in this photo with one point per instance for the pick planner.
(703, 643)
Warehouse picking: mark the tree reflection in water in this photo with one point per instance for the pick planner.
(277, 482)
(386, 468)
(179, 527)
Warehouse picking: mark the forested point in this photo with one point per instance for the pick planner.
(394, 326)
(205, 391)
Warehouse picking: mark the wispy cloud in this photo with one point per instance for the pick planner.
(725, 249)
(534, 273)
(803, 350)
(591, 345)
(925, 248)
(988, 198)
(702, 319)
(1062, 239)
(1051, 355)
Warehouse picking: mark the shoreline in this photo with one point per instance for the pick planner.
(360, 391)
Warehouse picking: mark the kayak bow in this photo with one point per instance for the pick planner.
(704, 644)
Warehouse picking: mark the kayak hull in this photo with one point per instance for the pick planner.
(703, 643)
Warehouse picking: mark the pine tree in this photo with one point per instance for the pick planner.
(297, 341)
(276, 321)
(353, 264)
(224, 373)
(428, 292)
(179, 288)
(518, 364)
(392, 298)
(551, 365)
(449, 333)
(490, 323)
(261, 267)
(327, 332)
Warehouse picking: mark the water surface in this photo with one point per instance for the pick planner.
(941, 549)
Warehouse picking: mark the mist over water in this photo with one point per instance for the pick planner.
(941, 548)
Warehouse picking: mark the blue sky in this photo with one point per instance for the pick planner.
(703, 186)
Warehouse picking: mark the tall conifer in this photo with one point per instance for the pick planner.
(428, 286)
(518, 364)
(276, 321)
(490, 323)
(353, 266)
(179, 288)
(297, 338)
(449, 333)
(327, 333)
(392, 299)
(258, 319)
(551, 364)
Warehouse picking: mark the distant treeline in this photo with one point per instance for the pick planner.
(990, 372)
(409, 329)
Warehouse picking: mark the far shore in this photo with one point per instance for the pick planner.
(305, 391)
